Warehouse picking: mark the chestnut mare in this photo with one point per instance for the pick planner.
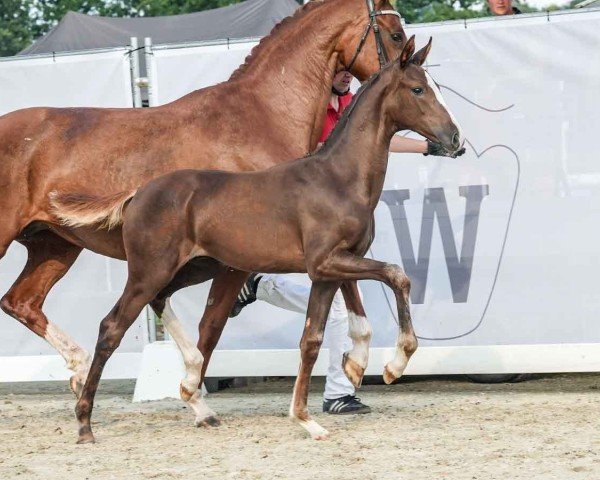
(323, 224)
(269, 111)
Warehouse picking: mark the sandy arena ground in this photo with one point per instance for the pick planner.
(444, 428)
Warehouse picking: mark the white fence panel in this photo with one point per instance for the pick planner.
(92, 79)
(179, 71)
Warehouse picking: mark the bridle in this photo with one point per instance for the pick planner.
(381, 51)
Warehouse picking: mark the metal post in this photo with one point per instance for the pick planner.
(150, 72)
(135, 72)
(151, 322)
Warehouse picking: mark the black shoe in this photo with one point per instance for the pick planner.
(348, 405)
(246, 296)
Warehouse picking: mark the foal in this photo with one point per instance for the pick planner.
(313, 215)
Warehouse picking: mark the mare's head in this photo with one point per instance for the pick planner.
(417, 104)
(360, 49)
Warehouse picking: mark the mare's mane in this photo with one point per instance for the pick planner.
(283, 25)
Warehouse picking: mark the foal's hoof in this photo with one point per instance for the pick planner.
(316, 431)
(76, 384)
(324, 435)
(353, 371)
(211, 421)
(86, 438)
(388, 376)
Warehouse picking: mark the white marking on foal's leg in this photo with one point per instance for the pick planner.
(192, 357)
(78, 360)
(360, 331)
(193, 360)
(205, 416)
(316, 431)
(395, 368)
(356, 360)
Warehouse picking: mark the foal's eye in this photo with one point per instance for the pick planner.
(397, 37)
(417, 90)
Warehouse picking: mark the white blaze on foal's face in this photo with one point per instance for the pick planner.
(438, 95)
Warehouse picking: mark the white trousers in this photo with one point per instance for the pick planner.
(282, 291)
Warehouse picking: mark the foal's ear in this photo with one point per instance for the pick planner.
(407, 52)
(420, 57)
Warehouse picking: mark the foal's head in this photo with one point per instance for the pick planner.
(417, 103)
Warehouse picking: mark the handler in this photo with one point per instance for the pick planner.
(281, 291)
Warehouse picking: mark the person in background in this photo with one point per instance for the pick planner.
(282, 291)
(502, 7)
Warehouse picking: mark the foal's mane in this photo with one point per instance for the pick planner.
(283, 25)
(341, 124)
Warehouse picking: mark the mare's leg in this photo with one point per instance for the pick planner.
(225, 279)
(141, 288)
(49, 258)
(346, 266)
(359, 330)
(223, 292)
(319, 303)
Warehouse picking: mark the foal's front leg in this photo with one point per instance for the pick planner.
(319, 303)
(359, 330)
(346, 266)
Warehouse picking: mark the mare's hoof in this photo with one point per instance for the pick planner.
(388, 376)
(86, 438)
(353, 371)
(76, 385)
(211, 421)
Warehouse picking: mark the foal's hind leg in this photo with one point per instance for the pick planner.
(319, 303)
(49, 258)
(359, 330)
(141, 288)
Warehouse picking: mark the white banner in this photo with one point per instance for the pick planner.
(179, 71)
(502, 243)
(93, 79)
(90, 289)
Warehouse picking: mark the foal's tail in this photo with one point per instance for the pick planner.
(82, 210)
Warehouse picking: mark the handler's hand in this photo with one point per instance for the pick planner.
(438, 150)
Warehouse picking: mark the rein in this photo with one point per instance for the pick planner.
(381, 51)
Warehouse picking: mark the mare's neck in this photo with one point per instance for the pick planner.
(359, 149)
(291, 71)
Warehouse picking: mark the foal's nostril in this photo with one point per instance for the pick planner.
(456, 141)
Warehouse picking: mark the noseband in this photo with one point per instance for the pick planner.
(381, 51)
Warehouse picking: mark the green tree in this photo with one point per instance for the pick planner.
(22, 21)
(15, 26)
(420, 11)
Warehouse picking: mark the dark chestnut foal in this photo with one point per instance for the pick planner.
(311, 215)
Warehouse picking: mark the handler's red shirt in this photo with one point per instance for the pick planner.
(334, 115)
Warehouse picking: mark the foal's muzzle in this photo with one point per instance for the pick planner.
(456, 141)
(450, 139)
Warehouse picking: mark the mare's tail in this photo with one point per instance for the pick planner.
(82, 210)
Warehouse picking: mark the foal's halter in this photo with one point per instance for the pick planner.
(381, 51)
